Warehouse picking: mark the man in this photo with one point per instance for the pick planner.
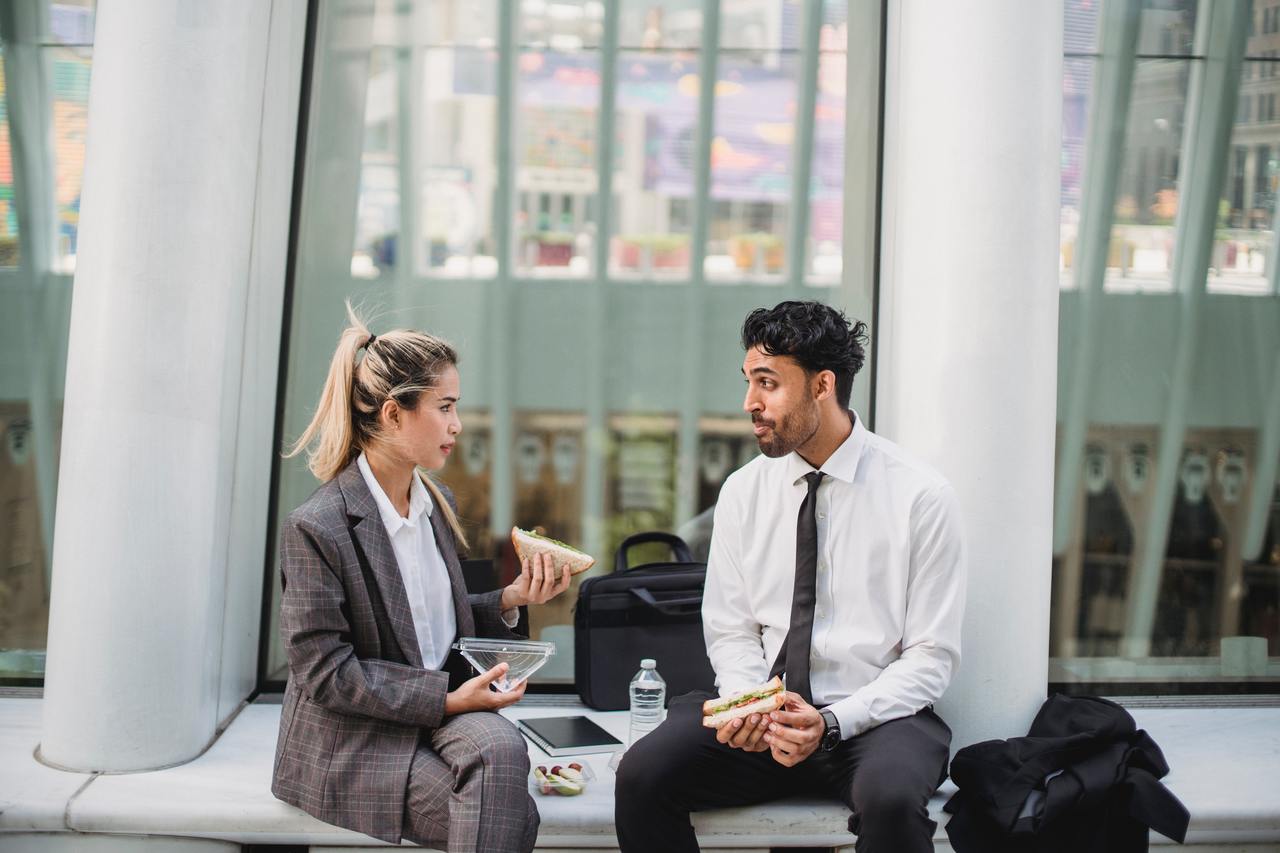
(836, 560)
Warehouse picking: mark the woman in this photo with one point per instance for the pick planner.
(381, 730)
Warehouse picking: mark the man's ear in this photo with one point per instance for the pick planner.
(824, 385)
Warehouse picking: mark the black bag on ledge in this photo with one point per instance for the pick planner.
(650, 611)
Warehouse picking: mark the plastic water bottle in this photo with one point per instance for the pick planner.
(648, 700)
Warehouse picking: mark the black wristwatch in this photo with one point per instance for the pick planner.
(831, 735)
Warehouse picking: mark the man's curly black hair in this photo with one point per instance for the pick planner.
(817, 336)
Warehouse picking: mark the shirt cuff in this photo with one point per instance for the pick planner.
(854, 716)
(511, 617)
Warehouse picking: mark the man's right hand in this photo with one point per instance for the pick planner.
(475, 695)
(745, 734)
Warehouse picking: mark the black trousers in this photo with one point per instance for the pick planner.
(885, 776)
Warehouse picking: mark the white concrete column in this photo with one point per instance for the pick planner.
(968, 320)
(173, 347)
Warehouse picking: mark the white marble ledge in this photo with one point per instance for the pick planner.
(1223, 763)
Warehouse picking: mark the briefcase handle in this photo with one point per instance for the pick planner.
(679, 548)
(672, 606)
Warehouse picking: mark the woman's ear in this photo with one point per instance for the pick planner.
(389, 414)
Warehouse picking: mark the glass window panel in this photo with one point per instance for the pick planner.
(657, 123)
(559, 99)
(70, 123)
(761, 26)
(1167, 27)
(1080, 31)
(35, 307)
(563, 25)
(752, 160)
(10, 251)
(1142, 236)
(660, 24)
(1209, 594)
(825, 249)
(377, 232)
(1244, 242)
(353, 179)
(457, 162)
(1077, 87)
(71, 22)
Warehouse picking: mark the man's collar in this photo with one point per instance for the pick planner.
(842, 464)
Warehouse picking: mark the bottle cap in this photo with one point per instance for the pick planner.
(648, 663)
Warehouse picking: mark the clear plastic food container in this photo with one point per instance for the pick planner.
(557, 778)
(523, 657)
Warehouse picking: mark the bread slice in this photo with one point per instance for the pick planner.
(757, 700)
(528, 544)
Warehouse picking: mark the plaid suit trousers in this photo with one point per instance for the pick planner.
(471, 760)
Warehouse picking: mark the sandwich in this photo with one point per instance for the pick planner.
(758, 700)
(528, 544)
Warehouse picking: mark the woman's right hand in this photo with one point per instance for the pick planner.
(475, 695)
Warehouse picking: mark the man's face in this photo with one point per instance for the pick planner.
(780, 400)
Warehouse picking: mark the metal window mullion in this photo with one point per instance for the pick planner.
(500, 289)
(1210, 114)
(686, 497)
(802, 155)
(29, 107)
(597, 297)
(1104, 153)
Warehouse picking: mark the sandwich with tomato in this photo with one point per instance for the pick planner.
(758, 700)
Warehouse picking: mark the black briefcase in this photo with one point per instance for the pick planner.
(650, 611)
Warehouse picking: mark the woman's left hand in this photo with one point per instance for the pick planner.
(537, 583)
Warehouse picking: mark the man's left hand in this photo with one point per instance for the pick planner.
(795, 731)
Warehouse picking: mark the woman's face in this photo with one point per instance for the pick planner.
(426, 435)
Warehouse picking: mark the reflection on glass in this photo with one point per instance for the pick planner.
(766, 26)
(1077, 84)
(9, 248)
(660, 24)
(751, 167)
(1244, 240)
(377, 232)
(656, 120)
(1141, 253)
(555, 220)
(24, 592)
(1167, 27)
(70, 67)
(825, 249)
(641, 481)
(456, 163)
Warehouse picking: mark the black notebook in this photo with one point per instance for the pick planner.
(557, 736)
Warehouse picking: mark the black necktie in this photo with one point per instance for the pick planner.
(793, 657)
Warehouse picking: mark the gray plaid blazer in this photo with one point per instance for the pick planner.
(358, 697)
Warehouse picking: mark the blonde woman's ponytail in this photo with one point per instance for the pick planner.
(331, 435)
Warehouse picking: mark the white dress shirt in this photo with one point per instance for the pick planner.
(422, 566)
(890, 583)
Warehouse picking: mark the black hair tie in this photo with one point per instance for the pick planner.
(369, 343)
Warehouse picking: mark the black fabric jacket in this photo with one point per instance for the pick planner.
(1084, 778)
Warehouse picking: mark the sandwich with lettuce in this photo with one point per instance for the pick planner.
(529, 544)
(758, 700)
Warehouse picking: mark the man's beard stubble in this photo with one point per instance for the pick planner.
(789, 432)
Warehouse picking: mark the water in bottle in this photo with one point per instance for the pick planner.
(648, 700)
